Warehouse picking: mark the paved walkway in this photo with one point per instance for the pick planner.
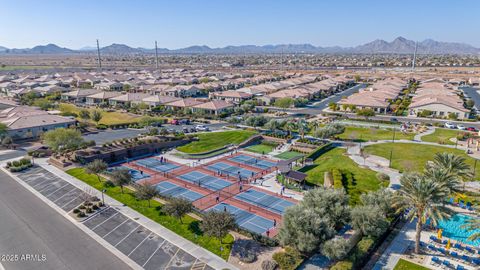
(189, 247)
(397, 248)
(418, 137)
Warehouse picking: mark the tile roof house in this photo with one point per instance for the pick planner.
(231, 95)
(156, 100)
(127, 99)
(439, 99)
(213, 107)
(79, 95)
(101, 98)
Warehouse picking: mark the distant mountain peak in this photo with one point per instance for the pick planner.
(399, 45)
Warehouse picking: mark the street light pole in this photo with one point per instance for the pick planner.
(393, 141)
(390, 161)
(103, 198)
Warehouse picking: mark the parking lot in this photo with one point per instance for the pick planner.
(140, 244)
(57, 190)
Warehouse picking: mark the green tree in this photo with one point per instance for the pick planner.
(3, 130)
(146, 191)
(382, 198)
(453, 164)
(96, 116)
(370, 220)
(178, 207)
(357, 78)
(307, 225)
(43, 104)
(328, 131)
(336, 248)
(63, 139)
(84, 115)
(284, 103)
(121, 178)
(333, 106)
(272, 125)
(96, 167)
(420, 198)
(366, 113)
(217, 224)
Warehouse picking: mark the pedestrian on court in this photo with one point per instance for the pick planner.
(274, 223)
(217, 199)
(141, 172)
(268, 233)
(224, 208)
(241, 188)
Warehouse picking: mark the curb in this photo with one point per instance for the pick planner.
(82, 227)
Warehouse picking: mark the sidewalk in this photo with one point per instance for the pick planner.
(271, 185)
(195, 250)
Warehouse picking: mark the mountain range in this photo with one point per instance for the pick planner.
(400, 45)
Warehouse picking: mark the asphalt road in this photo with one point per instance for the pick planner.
(12, 154)
(29, 226)
(472, 93)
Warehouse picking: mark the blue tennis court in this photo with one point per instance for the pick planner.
(253, 161)
(205, 180)
(170, 189)
(264, 200)
(155, 164)
(230, 170)
(246, 220)
(136, 175)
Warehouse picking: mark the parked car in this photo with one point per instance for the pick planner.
(185, 130)
(201, 128)
(184, 121)
(174, 122)
(473, 129)
(393, 119)
(461, 127)
(450, 125)
(193, 129)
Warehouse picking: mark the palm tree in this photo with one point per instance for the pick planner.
(290, 126)
(420, 198)
(442, 176)
(471, 225)
(302, 127)
(453, 164)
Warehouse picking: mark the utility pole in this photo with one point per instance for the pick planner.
(156, 55)
(99, 60)
(414, 56)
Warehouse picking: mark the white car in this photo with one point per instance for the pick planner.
(201, 128)
(461, 127)
(450, 125)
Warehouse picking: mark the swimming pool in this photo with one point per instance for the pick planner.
(452, 229)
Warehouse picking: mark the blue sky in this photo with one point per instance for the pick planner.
(216, 23)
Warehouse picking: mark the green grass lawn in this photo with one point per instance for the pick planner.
(213, 140)
(108, 118)
(365, 179)
(441, 136)
(289, 155)
(364, 134)
(406, 265)
(413, 157)
(260, 148)
(187, 228)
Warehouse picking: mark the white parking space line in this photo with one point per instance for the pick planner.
(64, 195)
(70, 201)
(139, 244)
(127, 235)
(65, 184)
(178, 249)
(115, 228)
(159, 246)
(46, 187)
(104, 221)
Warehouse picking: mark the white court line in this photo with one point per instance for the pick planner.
(115, 228)
(146, 237)
(104, 221)
(159, 246)
(127, 235)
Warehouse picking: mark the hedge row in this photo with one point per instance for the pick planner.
(320, 151)
(337, 178)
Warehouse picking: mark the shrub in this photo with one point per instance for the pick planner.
(383, 177)
(76, 211)
(248, 257)
(342, 265)
(108, 184)
(100, 204)
(337, 178)
(95, 207)
(289, 259)
(9, 164)
(16, 163)
(269, 265)
(81, 214)
(89, 210)
(82, 206)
